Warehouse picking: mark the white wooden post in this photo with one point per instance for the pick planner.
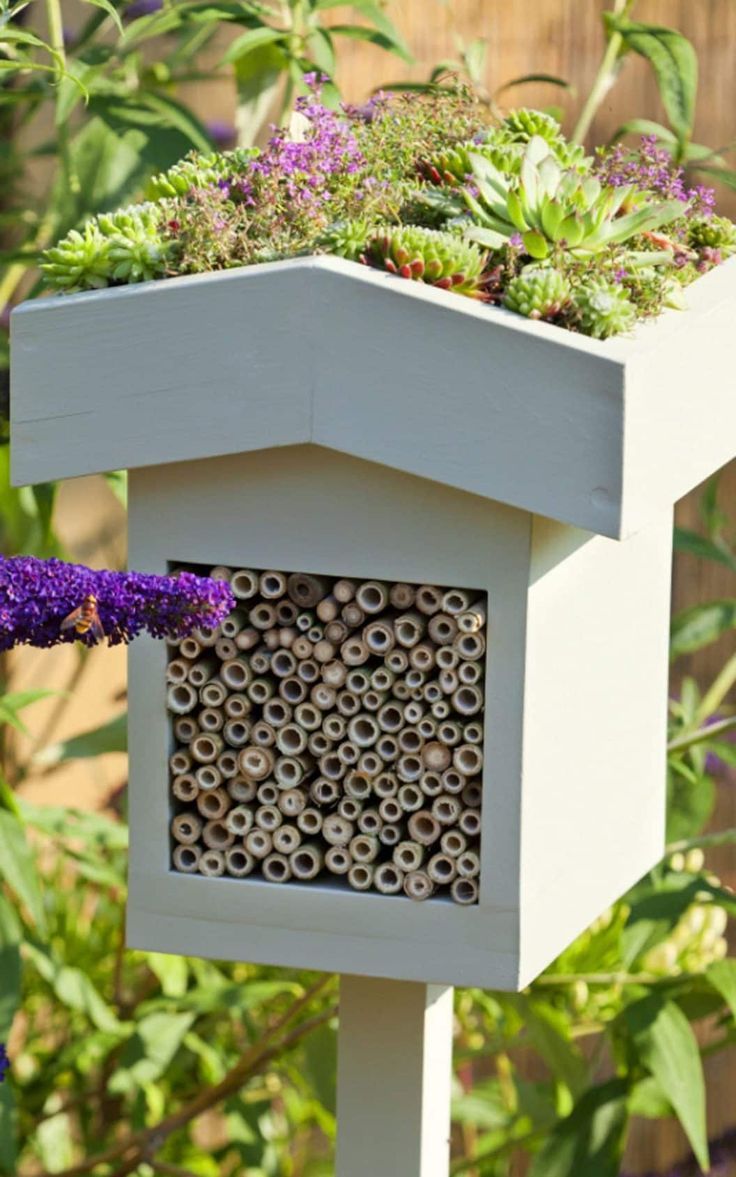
(394, 1072)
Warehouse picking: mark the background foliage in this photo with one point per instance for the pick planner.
(127, 1062)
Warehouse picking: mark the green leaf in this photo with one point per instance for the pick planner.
(14, 702)
(322, 51)
(668, 1049)
(109, 737)
(74, 989)
(10, 968)
(18, 869)
(647, 1099)
(675, 65)
(703, 548)
(699, 626)
(250, 41)
(373, 37)
(588, 1142)
(690, 801)
(645, 127)
(111, 11)
(722, 976)
(377, 17)
(654, 914)
(172, 972)
(549, 1032)
(529, 79)
(725, 175)
(117, 480)
(8, 1136)
(148, 1053)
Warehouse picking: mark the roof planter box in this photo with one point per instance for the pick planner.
(328, 422)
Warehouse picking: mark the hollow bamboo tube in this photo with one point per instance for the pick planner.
(259, 843)
(441, 709)
(186, 828)
(370, 821)
(309, 821)
(363, 730)
(410, 798)
(221, 572)
(387, 748)
(418, 885)
(227, 764)
(207, 776)
(177, 670)
(364, 848)
(260, 690)
(348, 753)
(442, 629)
(337, 830)
(293, 690)
(237, 706)
(268, 818)
(226, 649)
(389, 834)
(421, 657)
(241, 789)
(211, 719)
(379, 637)
(388, 879)
(291, 739)
(447, 658)
(190, 648)
(468, 759)
(357, 785)
(216, 835)
(336, 632)
(473, 733)
(449, 681)
(414, 681)
(469, 673)
(308, 671)
(324, 792)
(413, 712)
(179, 762)
(338, 860)
(408, 856)
(268, 793)
(386, 784)
(334, 727)
(453, 843)
(432, 692)
(213, 693)
(185, 787)
(212, 863)
(306, 590)
(424, 828)
(260, 661)
(276, 868)
(397, 661)
(453, 781)
(446, 809)
(441, 868)
(402, 596)
(272, 585)
(236, 674)
(283, 663)
(291, 802)
(352, 615)
(213, 804)
(290, 771)
(247, 639)
(181, 698)
(472, 795)
(467, 700)
(239, 820)
(436, 757)
(456, 601)
(315, 634)
(409, 768)
(206, 747)
(348, 704)
(319, 744)
(343, 591)
(186, 859)
(244, 584)
(354, 652)
(472, 619)
(427, 727)
(360, 876)
(357, 681)
(468, 864)
(286, 839)
(390, 810)
(205, 636)
(277, 712)
(306, 861)
(372, 596)
(408, 630)
(390, 718)
(322, 697)
(202, 671)
(370, 763)
(464, 891)
(469, 822)
(350, 808)
(233, 623)
(428, 599)
(256, 763)
(186, 728)
(304, 622)
(263, 735)
(450, 733)
(238, 862)
(470, 646)
(286, 612)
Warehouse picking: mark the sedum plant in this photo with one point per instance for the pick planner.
(425, 186)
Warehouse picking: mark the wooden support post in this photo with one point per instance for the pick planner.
(393, 1078)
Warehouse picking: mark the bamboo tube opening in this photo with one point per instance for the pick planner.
(260, 690)
(473, 733)
(322, 697)
(411, 798)
(469, 673)
(239, 820)
(316, 634)
(364, 848)
(260, 661)
(181, 698)
(441, 709)
(397, 661)
(259, 843)
(386, 784)
(205, 748)
(372, 596)
(381, 679)
(470, 646)
(185, 787)
(186, 828)
(186, 859)
(387, 748)
(452, 843)
(363, 731)
(370, 821)
(185, 729)
(213, 693)
(308, 671)
(291, 802)
(208, 777)
(360, 876)
(286, 612)
(456, 601)
(213, 803)
(332, 766)
(388, 879)
(357, 785)
(408, 856)
(427, 727)
(293, 690)
(190, 648)
(211, 719)
(286, 839)
(357, 681)
(276, 868)
(379, 637)
(468, 759)
(201, 672)
(263, 735)
(309, 821)
(413, 680)
(244, 584)
(212, 863)
(354, 652)
(233, 623)
(334, 727)
(390, 718)
(269, 818)
(242, 790)
(262, 616)
(283, 663)
(446, 809)
(424, 828)
(348, 704)
(338, 860)
(225, 649)
(177, 671)
(370, 763)
(277, 712)
(348, 753)
(447, 658)
(442, 629)
(413, 712)
(247, 639)
(428, 599)
(308, 716)
(421, 657)
(465, 891)
(453, 781)
(318, 744)
(304, 624)
(272, 585)
(410, 741)
(391, 810)
(336, 632)
(238, 862)
(337, 830)
(432, 692)
(449, 733)
(256, 763)
(468, 864)
(235, 674)
(227, 763)
(352, 615)
(469, 822)
(180, 762)
(216, 835)
(449, 682)
(408, 630)
(306, 862)
(473, 619)
(389, 834)
(291, 739)
(289, 771)
(325, 792)
(418, 886)
(441, 868)
(268, 793)
(472, 795)
(350, 808)
(237, 706)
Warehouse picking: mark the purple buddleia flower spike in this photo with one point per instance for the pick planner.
(38, 596)
(4, 1062)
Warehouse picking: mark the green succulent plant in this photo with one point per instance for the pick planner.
(522, 125)
(713, 233)
(346, 239)
(537, 292)
(550, 206)
(137, 249)
(604, 308)
(81, 261)
(199, 171)
(429, 255)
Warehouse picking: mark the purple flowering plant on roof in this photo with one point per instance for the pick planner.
(37, 596)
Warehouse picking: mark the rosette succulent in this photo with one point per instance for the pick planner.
(537, 292)
(604, 308)
(80, 262)
(122, 247)
(200, 171)
(346, 239)
(429, 255)
(712, 233)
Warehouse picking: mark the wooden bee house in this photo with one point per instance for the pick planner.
(319, 421)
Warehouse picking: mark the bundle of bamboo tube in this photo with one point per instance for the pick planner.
(332, 729)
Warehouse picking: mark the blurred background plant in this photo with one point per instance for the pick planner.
(128, 1062)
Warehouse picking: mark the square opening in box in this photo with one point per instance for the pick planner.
(332, 729)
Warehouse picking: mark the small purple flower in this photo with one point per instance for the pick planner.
(4, 1062)
(620, 274)
(36, 596)
(142, 8)
(650, 169)
(516, 240)
(222, 134)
